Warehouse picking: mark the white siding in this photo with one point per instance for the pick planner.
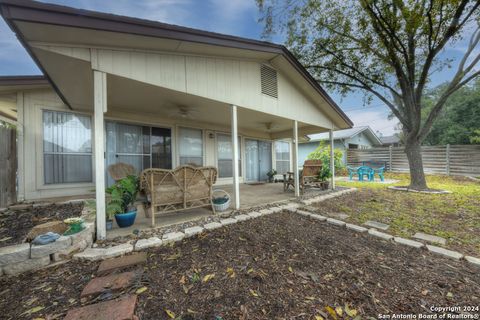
(232, 81)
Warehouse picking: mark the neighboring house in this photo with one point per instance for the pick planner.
(354, 138)
(393, 140)
(152, 95)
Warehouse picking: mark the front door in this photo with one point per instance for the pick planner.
(258, 156)
(141, 146)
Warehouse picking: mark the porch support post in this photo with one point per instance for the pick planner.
(100, 107)
(236, 186)
(332, 158)
(296, 176)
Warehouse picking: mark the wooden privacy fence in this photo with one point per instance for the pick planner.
(450, 159)
(8, 166)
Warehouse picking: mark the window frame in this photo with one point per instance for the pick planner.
(41, 155)
(240, 154)
(289, 160)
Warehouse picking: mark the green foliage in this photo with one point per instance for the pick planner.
(271, 173)
(122, 195)
(322, 152)
(459, 119)
(475, 139)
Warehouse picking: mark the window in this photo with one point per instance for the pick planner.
(190, 146)
(141, 146)
(282, 156)
(67, 148)
(224, 154)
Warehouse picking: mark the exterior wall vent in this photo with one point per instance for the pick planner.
(269, 81)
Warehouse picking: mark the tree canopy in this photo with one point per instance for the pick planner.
(389, 49)
(459, 119)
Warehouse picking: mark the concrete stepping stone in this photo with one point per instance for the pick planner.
(430, 238)
(122, 308)
(122, 262)
(112, 282)
(376, 225)
(341, 216)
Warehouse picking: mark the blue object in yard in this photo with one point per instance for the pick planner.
(46, 238)
(125, 220)
(351, 172)
(365, 171)
(379, 172)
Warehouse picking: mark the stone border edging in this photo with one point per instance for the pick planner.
(406, 189)
(388, 237)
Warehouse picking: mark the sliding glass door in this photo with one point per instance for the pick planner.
(258, 158)
(141, 146)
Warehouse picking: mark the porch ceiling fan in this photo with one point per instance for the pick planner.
(184, 112)
(269, 126)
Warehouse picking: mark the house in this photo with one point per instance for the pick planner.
(354, 138)
(393, 140)
(152, 95)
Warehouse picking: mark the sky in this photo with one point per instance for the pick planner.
(239, 18)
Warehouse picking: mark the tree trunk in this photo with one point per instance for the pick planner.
(415, 163)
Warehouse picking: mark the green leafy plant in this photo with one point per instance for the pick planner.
(271, 174)
(322, 152)
(122, 195)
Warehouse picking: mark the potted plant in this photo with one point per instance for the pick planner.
(122, 198)
(323, 175)
(75, 225)
(271, 174)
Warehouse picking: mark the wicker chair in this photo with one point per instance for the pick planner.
(185, 187)
(120, 170)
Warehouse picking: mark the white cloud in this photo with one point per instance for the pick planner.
(376, 119)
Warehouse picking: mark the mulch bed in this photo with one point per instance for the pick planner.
(281, 266)
(15, 225)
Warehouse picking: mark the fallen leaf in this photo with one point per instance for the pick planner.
(449, 295)
(331, 312)
(339, 311)
(290, 269)
(351, 312)
(140, 290)
(208, 277)
(253, 293)
(310, 298)
(171, 314)
(328, 276)
(425, 292)
(183, 280)
(33, 310)
(318, 318)
(191, 311)
(231, 272)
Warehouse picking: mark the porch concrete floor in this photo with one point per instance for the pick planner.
(250, 195)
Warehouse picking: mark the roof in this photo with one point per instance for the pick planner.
(32, 11)
(23, 80)
(390, 139)
(346, 134)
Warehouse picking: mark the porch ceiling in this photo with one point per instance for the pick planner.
(164, 105)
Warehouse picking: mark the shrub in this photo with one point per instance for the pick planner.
(322, 152)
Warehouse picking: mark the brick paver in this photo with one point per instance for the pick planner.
(112, 282)
(122, 262)
(122, 308)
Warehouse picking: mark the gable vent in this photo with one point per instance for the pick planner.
(269, 81)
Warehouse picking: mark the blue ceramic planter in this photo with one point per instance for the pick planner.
(125, 220)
